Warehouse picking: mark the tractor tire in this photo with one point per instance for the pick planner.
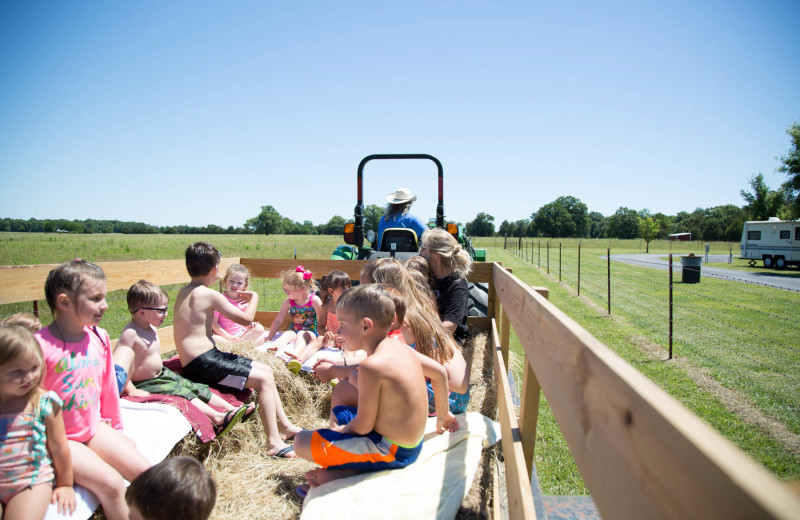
(478, 301)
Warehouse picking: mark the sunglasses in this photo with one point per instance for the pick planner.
(160, 310)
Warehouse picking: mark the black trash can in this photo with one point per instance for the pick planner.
(691, 268)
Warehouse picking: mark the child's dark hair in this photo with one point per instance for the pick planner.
(201, 258)
(177, 488)
(335, 280)
(68, 278)
(144, 294)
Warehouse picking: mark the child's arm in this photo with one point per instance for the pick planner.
(278, 321)
(57, 445)
(219, 331)
(434, 371)
(109, 391)
(322, 316)
(369, 386)
(125, 356)
(231, 311)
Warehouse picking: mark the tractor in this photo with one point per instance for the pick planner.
(401, 243)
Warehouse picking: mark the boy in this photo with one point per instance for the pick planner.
(204, 363)
(138, 352)
(385, 431)
(175, 488)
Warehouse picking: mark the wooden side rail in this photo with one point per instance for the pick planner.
(25, 283)
(641, 453)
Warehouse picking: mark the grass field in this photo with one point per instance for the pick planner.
(736, 362)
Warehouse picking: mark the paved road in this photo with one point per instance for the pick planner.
(768, 278)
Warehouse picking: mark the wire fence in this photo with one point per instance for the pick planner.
(745, 335)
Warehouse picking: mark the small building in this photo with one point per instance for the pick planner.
(680, 237)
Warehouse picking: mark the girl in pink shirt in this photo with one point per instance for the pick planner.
(80, 371)
(236, 280)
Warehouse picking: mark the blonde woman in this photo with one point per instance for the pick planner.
(450, 265)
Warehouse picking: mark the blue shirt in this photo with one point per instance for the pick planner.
(404, 220)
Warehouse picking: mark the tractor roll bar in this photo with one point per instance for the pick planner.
(359, 209)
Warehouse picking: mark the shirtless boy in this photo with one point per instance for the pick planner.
(385, 431)
(138, 351)
(204, 363)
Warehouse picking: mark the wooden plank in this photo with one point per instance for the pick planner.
(266, 317)
(641, 453)
(518, 478)
(25, 283)
(272, 267)
(505, 334)
(481, 272)
(479, 323)
(529, 412)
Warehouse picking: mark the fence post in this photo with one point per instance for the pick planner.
(505, 242)
(548, 257)
(670, 306)
(608, 258)
(36, 308)
(559, 261)
(539, 256)
(579, 269)
(730, 254)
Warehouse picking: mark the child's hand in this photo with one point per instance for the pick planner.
(138, 393)
(447, 422)
(246, 295)
(322, 370)
(337, 341)
(64, 496)
(329, 337)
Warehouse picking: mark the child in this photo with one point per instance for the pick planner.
(333, 285)
(237, 279)
(385, 431)
(204, 363)
(423, 331)
(79, 369)
(31, 424)
(139, 351)
(303, 307)
(178, 488)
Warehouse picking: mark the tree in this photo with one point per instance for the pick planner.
(482, 226)
(564, 217)
(791, 167)
(648, 228)
(597, 224)
(372, 217)
(506, 229)
(763, 202)
(623, 224)
(268, 222)
(335, 226)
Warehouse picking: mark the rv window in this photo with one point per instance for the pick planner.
(797, 233)
(784, 234)
(754, 235)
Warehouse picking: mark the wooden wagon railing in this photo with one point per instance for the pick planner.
(640, 452)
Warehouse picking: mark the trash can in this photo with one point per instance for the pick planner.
(691, 268)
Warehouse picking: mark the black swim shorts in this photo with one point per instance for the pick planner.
(219, 368)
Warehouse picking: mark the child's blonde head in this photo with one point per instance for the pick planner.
(17, 341)
(176, 488)
(145, 294)
(236, 269)
(24, 319)
(399, 304)
(452, 255)
(368, 301)
(299, 278)
(68, 278)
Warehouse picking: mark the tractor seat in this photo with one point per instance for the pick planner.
(401, 240)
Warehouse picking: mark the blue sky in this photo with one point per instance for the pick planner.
(201, 112)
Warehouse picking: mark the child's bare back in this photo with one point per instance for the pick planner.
(193, 315)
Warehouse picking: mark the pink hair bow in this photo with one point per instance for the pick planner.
(306, 274)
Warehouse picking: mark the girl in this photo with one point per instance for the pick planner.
(30, 425)
(79, 366)
(302, 306)
(236, 280)
(424, 332)
(333, 285)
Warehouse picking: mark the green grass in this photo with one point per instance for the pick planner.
(708, 316)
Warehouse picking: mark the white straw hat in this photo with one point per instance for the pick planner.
(401, 196)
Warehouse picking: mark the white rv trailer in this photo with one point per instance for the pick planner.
(776, 242)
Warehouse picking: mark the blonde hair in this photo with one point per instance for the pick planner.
(17, 341)
(24, 319)
(296, 279)
(453, 256)
(421, 316)
(144, 294)
(68, 278)
(234, 269)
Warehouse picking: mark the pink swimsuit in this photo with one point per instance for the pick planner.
(230, 326)
(24, 461)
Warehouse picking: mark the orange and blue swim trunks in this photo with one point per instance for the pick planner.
(371, 452)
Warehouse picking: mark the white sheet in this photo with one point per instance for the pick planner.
(432, 487)
(155, 427)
